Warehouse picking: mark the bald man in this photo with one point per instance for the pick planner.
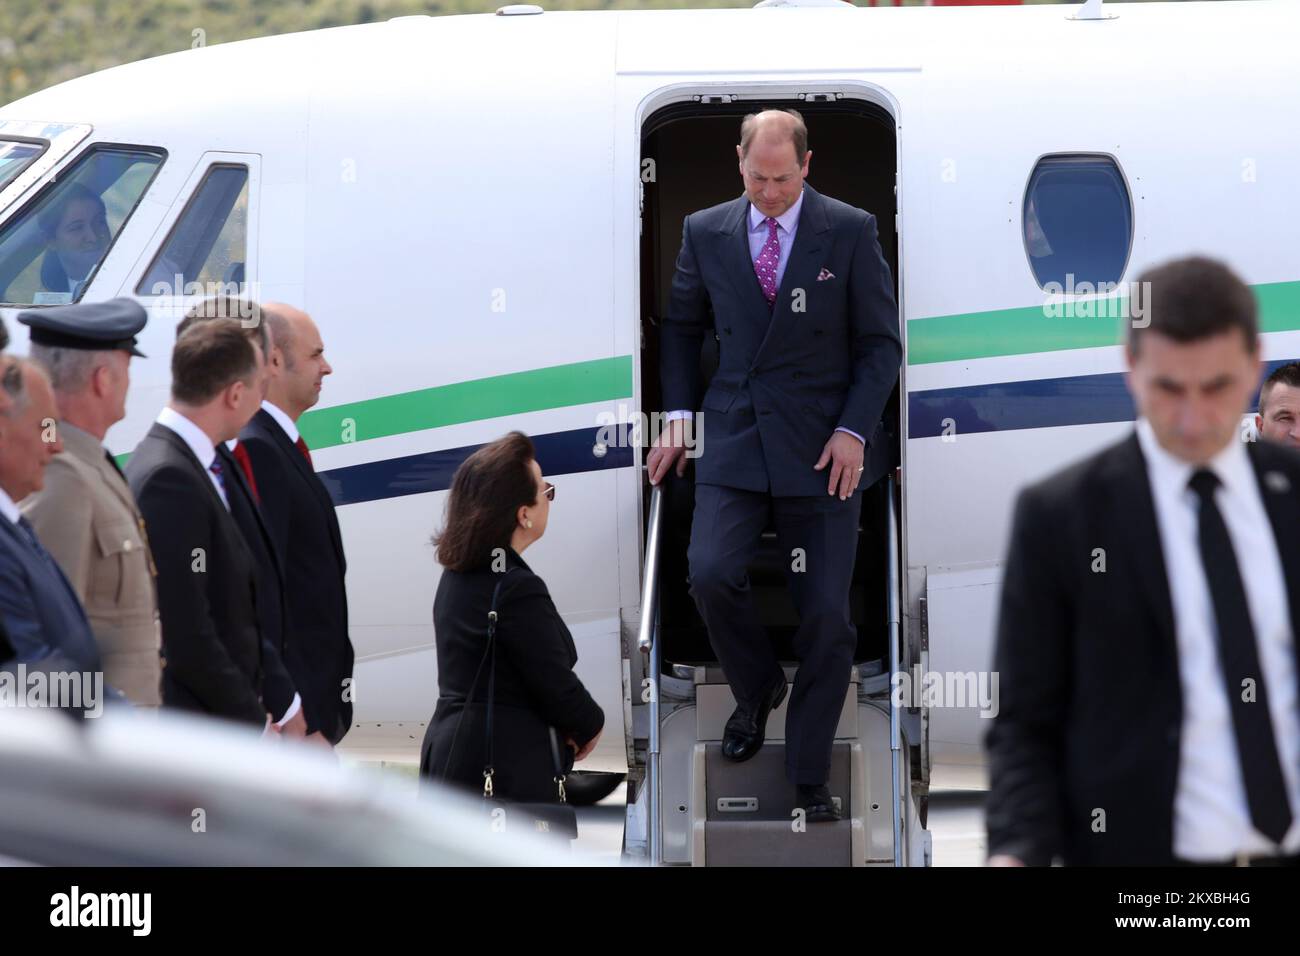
(299, 515)
(795, 288)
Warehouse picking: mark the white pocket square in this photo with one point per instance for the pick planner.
(825, 274)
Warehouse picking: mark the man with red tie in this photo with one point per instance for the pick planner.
(299, 514)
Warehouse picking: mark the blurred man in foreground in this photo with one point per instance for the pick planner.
(1146, 642)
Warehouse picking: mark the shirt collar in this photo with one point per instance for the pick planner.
(190, 433)
(8, 508)
(786, 220)
(282, 419)
(1230, 465)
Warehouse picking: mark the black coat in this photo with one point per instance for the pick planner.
(1090, 703)
(304, 531)
(535, 684)
(207, 583)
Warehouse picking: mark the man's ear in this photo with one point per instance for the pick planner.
(233, 393)
(99, 380)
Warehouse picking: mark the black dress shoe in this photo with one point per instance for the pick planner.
(743, 736)
(817, 804)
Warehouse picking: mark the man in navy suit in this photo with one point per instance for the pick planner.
(801, 299)
(299, 516)
(43, 619)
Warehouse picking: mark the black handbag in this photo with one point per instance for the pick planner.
(558, 818)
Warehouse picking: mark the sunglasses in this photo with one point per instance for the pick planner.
(549, 492)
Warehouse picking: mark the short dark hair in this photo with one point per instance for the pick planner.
(486, 491)
(1288, 374)
(209, 357)
(1192, 299)
(749, 126)
(248, 313)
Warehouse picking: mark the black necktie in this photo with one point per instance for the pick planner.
(1239, 657)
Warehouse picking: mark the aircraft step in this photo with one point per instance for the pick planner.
(749, 819)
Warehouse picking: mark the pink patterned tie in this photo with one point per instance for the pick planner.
(765, 264)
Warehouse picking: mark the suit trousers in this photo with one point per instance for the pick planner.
(725, 535)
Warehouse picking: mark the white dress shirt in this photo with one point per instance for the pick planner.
(7, 507)
(787, 224)
(282, 419)
(1211, 814)
(199, 443)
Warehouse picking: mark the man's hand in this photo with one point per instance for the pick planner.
(846, 453)
(669, 448)
(580, 753)
(295, 726)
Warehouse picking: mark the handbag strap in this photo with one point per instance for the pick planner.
(488, 769)
(473, 688)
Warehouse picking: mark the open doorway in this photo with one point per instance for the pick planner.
(693, 148)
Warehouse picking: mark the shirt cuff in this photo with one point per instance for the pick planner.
(853, 433)
(679, 413)
(291, 712)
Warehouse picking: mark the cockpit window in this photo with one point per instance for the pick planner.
(15, 156)
(207, 247)
(49, 251)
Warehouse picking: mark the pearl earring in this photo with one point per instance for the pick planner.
(528, 522)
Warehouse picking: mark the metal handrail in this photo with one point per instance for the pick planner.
(648, 641)
(895, 664)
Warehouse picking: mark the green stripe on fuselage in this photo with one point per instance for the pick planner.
(975, 335)
(535, 390)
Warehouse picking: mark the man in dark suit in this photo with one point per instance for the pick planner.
(303, 527)
(794, 285)
(43, 620)
(279, 690)
(207, 577)
(1146, 643)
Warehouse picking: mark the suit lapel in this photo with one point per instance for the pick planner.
(1282, 504)
(241, 498)
(738, 266)
(178, 445)
(806, 257)
(1129, 488)
(299, 460)
(86, 447)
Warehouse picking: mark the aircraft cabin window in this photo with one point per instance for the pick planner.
(1078, 222)
(207, 245)
(15, 156)
(50, 250)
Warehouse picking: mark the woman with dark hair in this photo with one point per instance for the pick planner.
(498, 506)
(75, 229)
